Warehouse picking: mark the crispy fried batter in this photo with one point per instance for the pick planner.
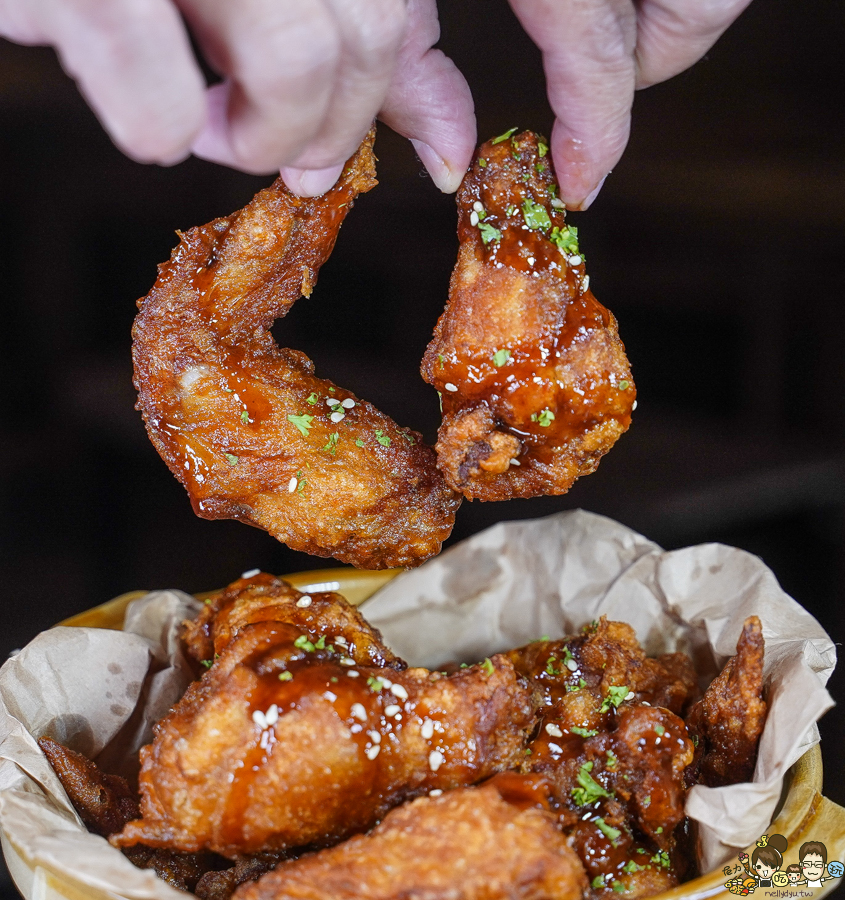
(105, 803)
(247, 427)
(533, 377)
(286, 741)
(729, 719)
(469, 844)
(265, 598)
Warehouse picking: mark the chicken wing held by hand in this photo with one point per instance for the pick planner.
(533, 378)
(287, 741)
(247, 427)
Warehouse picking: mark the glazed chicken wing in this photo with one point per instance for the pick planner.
(469, 844)
(534, 381)
(247, 427)
(288, 741)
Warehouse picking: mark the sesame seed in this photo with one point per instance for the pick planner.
(531, 260)
(634, 406)
(629, 695)
(427, 729)
(348, 403)
(473, 218)
(398, 691)
(251, 573)
(292, 484)
(372, 752)
(353, 673)
(515, 462)
(574, 260)
(304, 602)
(572, 665)
(385, 683)
(553, 730)
(258, 718)
(374, 736)
(557, 203)
(272, 715)
(646, 703)
(391, 710)
(477, 206)
(332, 401)
(435, 760)
(340, 639)
(450, 387)
(331, 697)
(337, 417)
(585, 283)
(346, 661)
(358, 712)
(435, 793)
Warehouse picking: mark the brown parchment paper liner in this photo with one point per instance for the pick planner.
(100, 691)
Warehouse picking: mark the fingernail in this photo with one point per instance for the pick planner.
(311, 182)
(595, 192)
(445, 179)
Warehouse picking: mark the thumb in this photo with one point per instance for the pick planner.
(430, 102)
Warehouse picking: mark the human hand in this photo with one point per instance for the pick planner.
(302, 79)
(596, 53)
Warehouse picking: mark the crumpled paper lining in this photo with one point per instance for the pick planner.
(100, 691)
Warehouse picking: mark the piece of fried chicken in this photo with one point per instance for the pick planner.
(469, 844)
(247, 427)
(534, 381)
(289, 741)
(265, 598)
(729, 718)
(612, 746)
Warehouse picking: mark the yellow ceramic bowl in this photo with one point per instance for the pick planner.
(803, 815)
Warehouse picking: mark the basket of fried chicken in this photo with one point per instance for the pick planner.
(552, 709)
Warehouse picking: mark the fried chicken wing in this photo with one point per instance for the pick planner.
(729, 718)
(469, 844)
(247, 427)
(286, 741)
(614, 759)
(264, 598)
(534, 381)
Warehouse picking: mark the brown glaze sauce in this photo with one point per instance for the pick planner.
(528, 381)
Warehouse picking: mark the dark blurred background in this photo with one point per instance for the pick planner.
(718, 243)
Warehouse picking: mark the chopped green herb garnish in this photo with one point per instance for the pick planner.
(359, 443)
(542, 148)
(331, 390)
(488, 667)
(611, 759)
(482, 162)
(441, 359)
(589, 790)
(535, 215)
(321, 643)
(695, 740)
(597, 882)
(488, 232)
(500, 357)
(208, 663)
(662, 859)
(659, 829)
(540, 167)
(285, 676)
(231, 459)
(624, 384)
(503, 137)
(312, 399)
(333, 679)
(567, 654)
(331, 445)
(550, 666)
(619, 887)
(245, 416)
(647, 800)
(408, 437)
(583, 732)
(375, 684)
(615, 695)
(659, 729)
(382, 438)
(544, 418)
(565, 239)
(608, 831)
(303, 643)
(301, 486)
(303, 423)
